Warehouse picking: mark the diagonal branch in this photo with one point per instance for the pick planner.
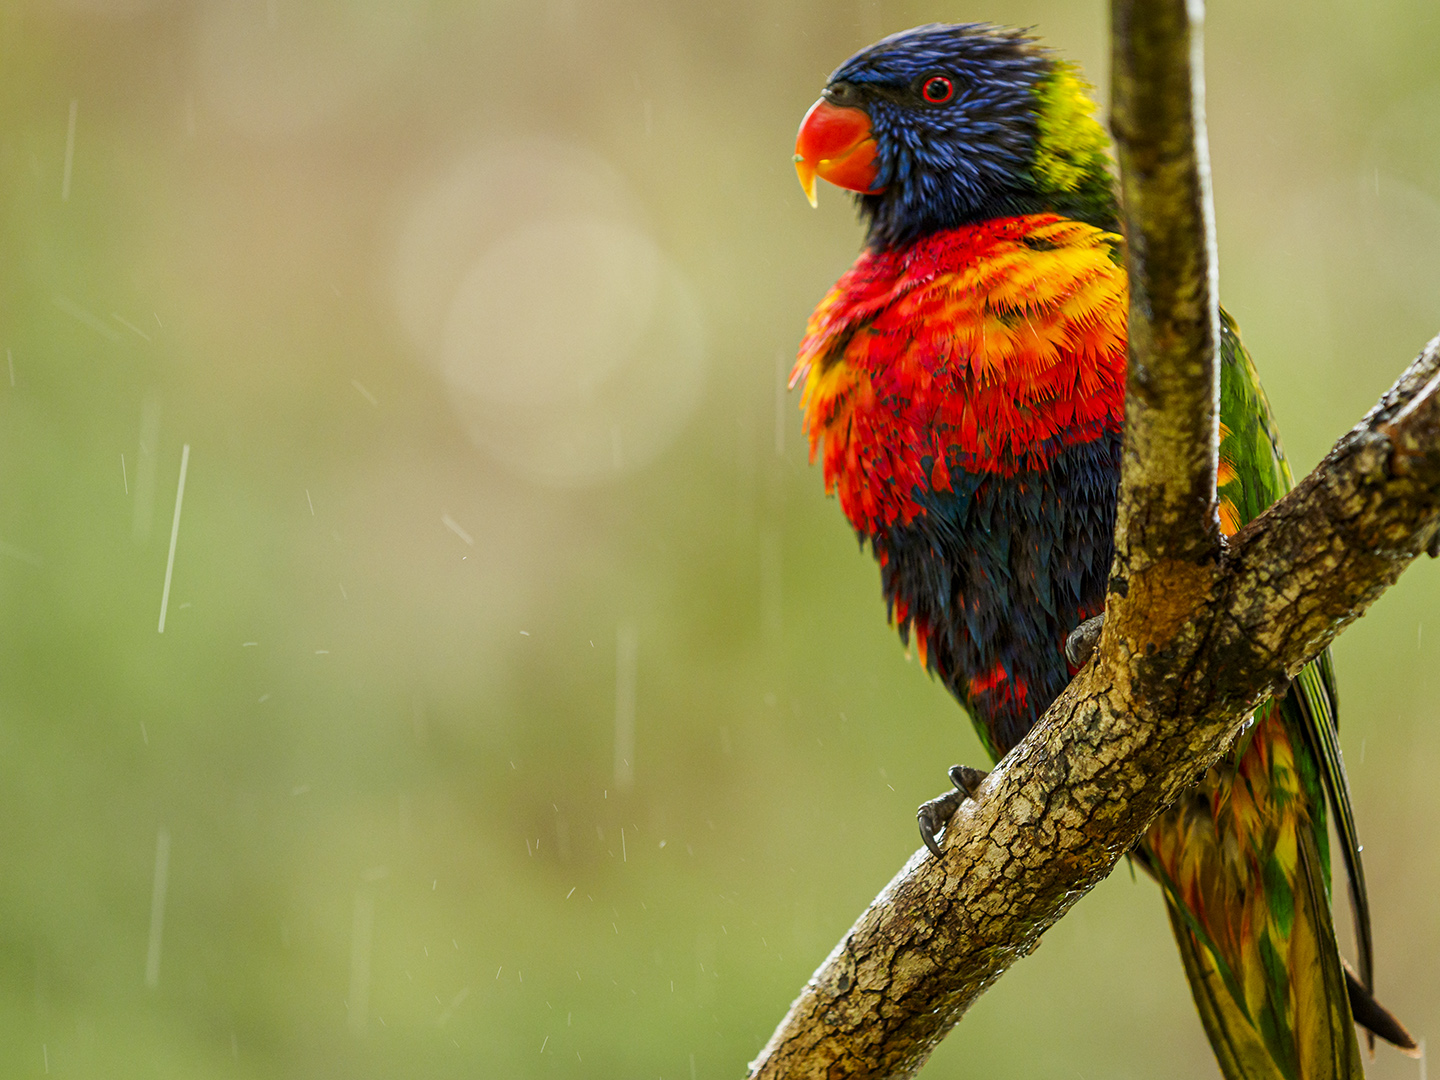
(1198, 634)
(1078, 792)
(1344, 534)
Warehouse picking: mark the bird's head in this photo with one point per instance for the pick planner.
(944, 125)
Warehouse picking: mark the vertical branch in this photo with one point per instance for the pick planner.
(1167, 502)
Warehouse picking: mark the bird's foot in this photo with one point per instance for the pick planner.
(1080, 645)
(934, 815)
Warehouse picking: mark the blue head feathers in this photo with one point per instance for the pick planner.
(958, 115)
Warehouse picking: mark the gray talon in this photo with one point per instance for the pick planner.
(1080, 645)
(967, 779)
(934, 815)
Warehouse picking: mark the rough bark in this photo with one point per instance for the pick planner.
(1198, 631)
(1077, 793)
(1172, 404)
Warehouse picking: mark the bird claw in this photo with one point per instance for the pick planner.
(935, 814)
(1080, 645)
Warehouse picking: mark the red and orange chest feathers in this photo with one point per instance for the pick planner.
(987, 349)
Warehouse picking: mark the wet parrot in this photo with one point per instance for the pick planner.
(963, 385)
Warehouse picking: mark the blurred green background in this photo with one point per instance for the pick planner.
(523, 707)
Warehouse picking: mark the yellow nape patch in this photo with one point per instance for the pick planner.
(1071, 142)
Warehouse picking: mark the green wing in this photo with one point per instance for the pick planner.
(1244, 858)
(1253, 474)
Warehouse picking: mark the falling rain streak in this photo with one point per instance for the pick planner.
(157, 907)
(627, 648)
(144, 514)
(782, 384)
(85, 317)
(129, 325)
(772, 610)
(454, 526)
(455, 1003)
(69, 150)
(362, 936)
(174, 534)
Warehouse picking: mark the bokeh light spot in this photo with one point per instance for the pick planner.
(570, 343)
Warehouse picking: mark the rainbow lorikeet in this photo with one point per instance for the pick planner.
(964, 383)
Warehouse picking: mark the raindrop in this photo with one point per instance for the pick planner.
(572, 345)
(174, 534)
(626, 664)
(157, 907)
(144, 510)
(454, 526)
(69, 161)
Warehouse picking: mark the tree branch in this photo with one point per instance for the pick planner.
(1081, 789)
(1172, 423)
(1344, 534)
(1198, 633)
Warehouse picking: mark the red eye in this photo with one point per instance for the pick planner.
(937, 90)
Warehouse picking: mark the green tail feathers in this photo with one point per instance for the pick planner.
(1282, 1011)
(1244, 859)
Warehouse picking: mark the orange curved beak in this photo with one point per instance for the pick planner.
(836, 144)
